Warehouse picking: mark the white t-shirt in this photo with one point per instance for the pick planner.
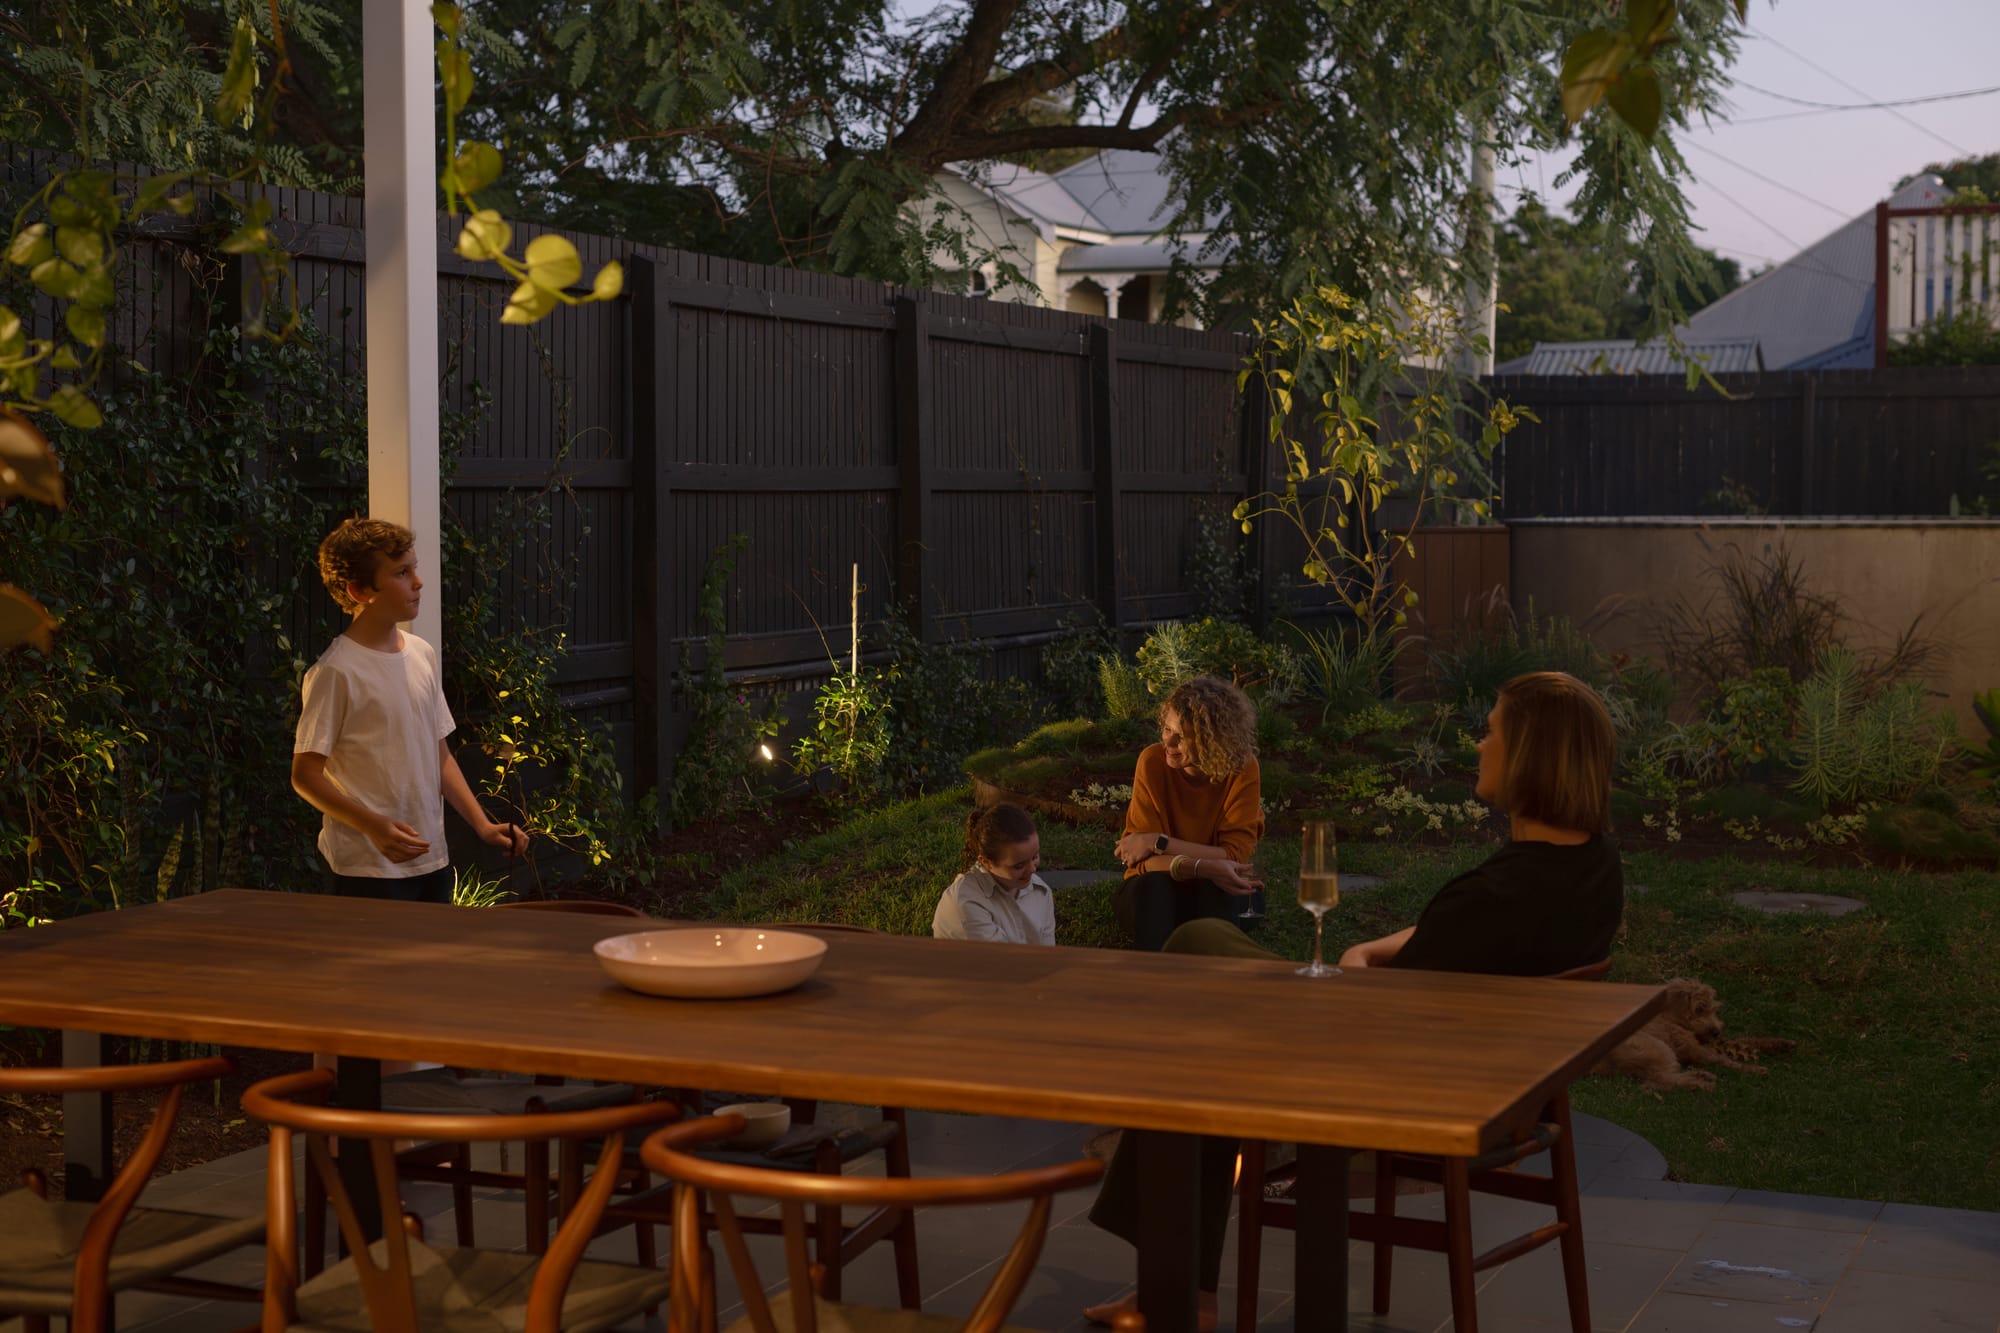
(378, 718)
(979, 907)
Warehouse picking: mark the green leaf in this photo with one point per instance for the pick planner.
(65, 358)
(484, 236)
(244, 240)
(553, 263)
(528, 304)
(476, 167)
(30, 246)
(13, 337)
(57, 278)
(1591, 63)
(1636, 99)
(239, 77)
(610, 281)
(86, 324)
(70, 403)
(95, 288)
(446, 17)
(455, 71)
(79, 246)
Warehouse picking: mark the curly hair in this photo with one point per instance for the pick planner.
(1218, 725)
(350, 554)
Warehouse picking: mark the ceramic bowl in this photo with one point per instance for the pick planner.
(764, 1123)
(711, 962)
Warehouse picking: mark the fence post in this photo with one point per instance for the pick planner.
(1254, 414)
(913, 465)
(650, 348)
(1104, 461)
(1882, 285)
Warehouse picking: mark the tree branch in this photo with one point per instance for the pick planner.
(961, 78)
(976, 146)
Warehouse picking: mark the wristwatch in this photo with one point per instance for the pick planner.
(1159, 844)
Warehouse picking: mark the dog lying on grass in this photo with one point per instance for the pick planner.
(1688, 1031)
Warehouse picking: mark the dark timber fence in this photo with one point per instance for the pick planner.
(997, 471)
(1837, 442)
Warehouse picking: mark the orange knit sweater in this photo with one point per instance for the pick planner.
(1228, 814)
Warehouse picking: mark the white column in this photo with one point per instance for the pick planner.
(1111, 286)
(399, 139)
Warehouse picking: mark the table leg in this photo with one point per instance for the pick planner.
(358, 1087)
(1320, 1264)
(87, 1121)
(1169, 1172)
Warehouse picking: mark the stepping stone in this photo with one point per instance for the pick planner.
(1634, 890)
(1778, 904)
(1351, 883)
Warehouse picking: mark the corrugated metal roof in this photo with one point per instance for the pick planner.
(1622, 356)
(1806, 311)
(1120, 191)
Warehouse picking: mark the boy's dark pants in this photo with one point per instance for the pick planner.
(431, 887)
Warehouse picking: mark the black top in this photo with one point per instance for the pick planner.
(1531, 909)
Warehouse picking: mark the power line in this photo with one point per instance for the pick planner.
(1960, 149)
(1869, 106)
(1842, 214)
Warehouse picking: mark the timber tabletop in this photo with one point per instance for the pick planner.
(1423, 1062)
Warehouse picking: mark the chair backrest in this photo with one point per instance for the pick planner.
(669, 1152)
(1597, 971)
(289, 1104)
(579, 906)
(91, 1307)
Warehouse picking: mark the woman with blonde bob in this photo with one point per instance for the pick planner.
(1196, 814)
(1548, 901)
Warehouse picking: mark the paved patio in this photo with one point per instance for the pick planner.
(1664, 1257)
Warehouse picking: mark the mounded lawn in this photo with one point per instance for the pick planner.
(1894, 1091)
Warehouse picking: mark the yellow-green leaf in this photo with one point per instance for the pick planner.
(484, 236)
(239, 77)
(86, 324)
(446, 17)
(455, 72)
(1591, 63)
(57, 277)
(528, 304)
(476, 167)
(81, 247)
(22, 620)
(244, 240)
(72, 406)
(553, 263)
(1636, 99)
(65, 358)
(28, 466)
(13, 337)
(30, 246)
(610, 281)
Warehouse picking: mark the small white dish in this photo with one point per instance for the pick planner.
(711, 962)
(764, 1123)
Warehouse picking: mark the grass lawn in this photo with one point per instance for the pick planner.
(1893, 1094)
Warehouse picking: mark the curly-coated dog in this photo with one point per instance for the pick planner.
(1688, 1031)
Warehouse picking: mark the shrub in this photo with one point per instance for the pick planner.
(1125, 696)
(713, 766)
(1470, 671)
(1344, 672)
(1071, 683)
(1753, 717)
(1178, 651)
(1850, 747)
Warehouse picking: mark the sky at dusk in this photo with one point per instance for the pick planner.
(1764, 186)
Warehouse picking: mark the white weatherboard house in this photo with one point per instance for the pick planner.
(1086, 238)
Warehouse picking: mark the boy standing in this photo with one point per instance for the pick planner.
(370, 752)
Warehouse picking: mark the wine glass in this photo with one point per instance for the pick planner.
(1319, 887)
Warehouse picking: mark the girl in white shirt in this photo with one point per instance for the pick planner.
(998, 895)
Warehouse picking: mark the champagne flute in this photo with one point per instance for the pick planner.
(1319, 887)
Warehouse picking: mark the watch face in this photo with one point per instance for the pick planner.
(1160, 843)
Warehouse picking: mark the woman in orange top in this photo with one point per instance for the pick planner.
(1196, 814)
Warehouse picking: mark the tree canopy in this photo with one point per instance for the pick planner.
(1559, 282)
(1330, 138)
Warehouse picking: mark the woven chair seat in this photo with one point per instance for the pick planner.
(480, 1291)
(39, 1239)
(836, 1318)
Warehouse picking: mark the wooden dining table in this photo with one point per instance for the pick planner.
(1170, 1046)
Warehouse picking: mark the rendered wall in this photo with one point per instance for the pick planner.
(1620, 574)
